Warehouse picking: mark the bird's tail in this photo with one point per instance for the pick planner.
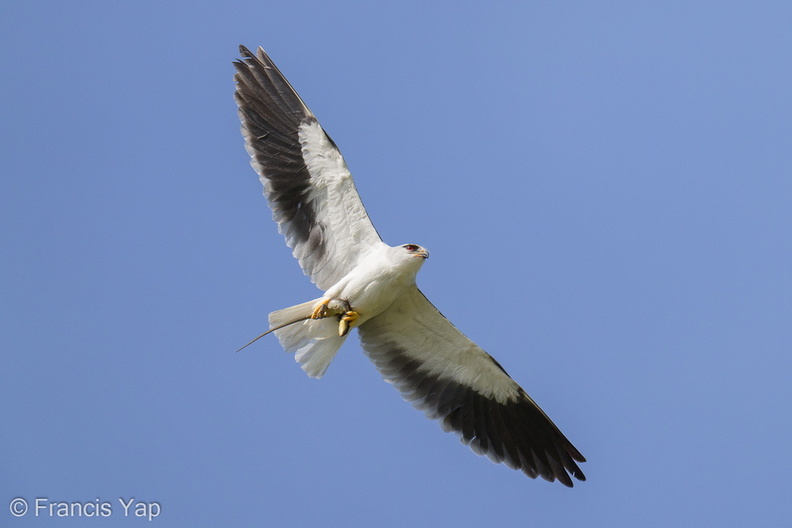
(314, 342)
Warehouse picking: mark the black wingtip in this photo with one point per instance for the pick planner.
(245, 52)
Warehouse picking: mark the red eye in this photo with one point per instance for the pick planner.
(411, 247)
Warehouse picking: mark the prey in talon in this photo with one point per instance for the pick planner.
(337, 307)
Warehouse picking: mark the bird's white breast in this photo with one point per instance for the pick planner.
(377, 281)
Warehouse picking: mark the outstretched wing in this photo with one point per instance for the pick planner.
(451, 379)
(306, 181)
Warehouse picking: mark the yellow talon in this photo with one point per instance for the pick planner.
(351, 316)
(320, 310)
(344, 324)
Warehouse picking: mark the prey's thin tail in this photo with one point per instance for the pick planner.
(284, 325)
(288, 316)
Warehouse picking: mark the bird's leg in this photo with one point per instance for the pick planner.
(344, 324)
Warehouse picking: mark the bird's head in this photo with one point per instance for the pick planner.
(407, 258)
(414, 250)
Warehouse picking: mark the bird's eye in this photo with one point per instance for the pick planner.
(411, 247)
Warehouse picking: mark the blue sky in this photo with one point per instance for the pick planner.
(606, 191)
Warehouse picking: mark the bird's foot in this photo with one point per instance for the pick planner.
(341, 308)
(320, 310)
(344, 324)
(332, 307)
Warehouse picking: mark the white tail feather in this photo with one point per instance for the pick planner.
(314, 342)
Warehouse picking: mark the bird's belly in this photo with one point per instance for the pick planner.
(372, 297)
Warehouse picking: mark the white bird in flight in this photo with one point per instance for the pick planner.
(370, 286)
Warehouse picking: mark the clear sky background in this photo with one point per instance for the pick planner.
(606, 190)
